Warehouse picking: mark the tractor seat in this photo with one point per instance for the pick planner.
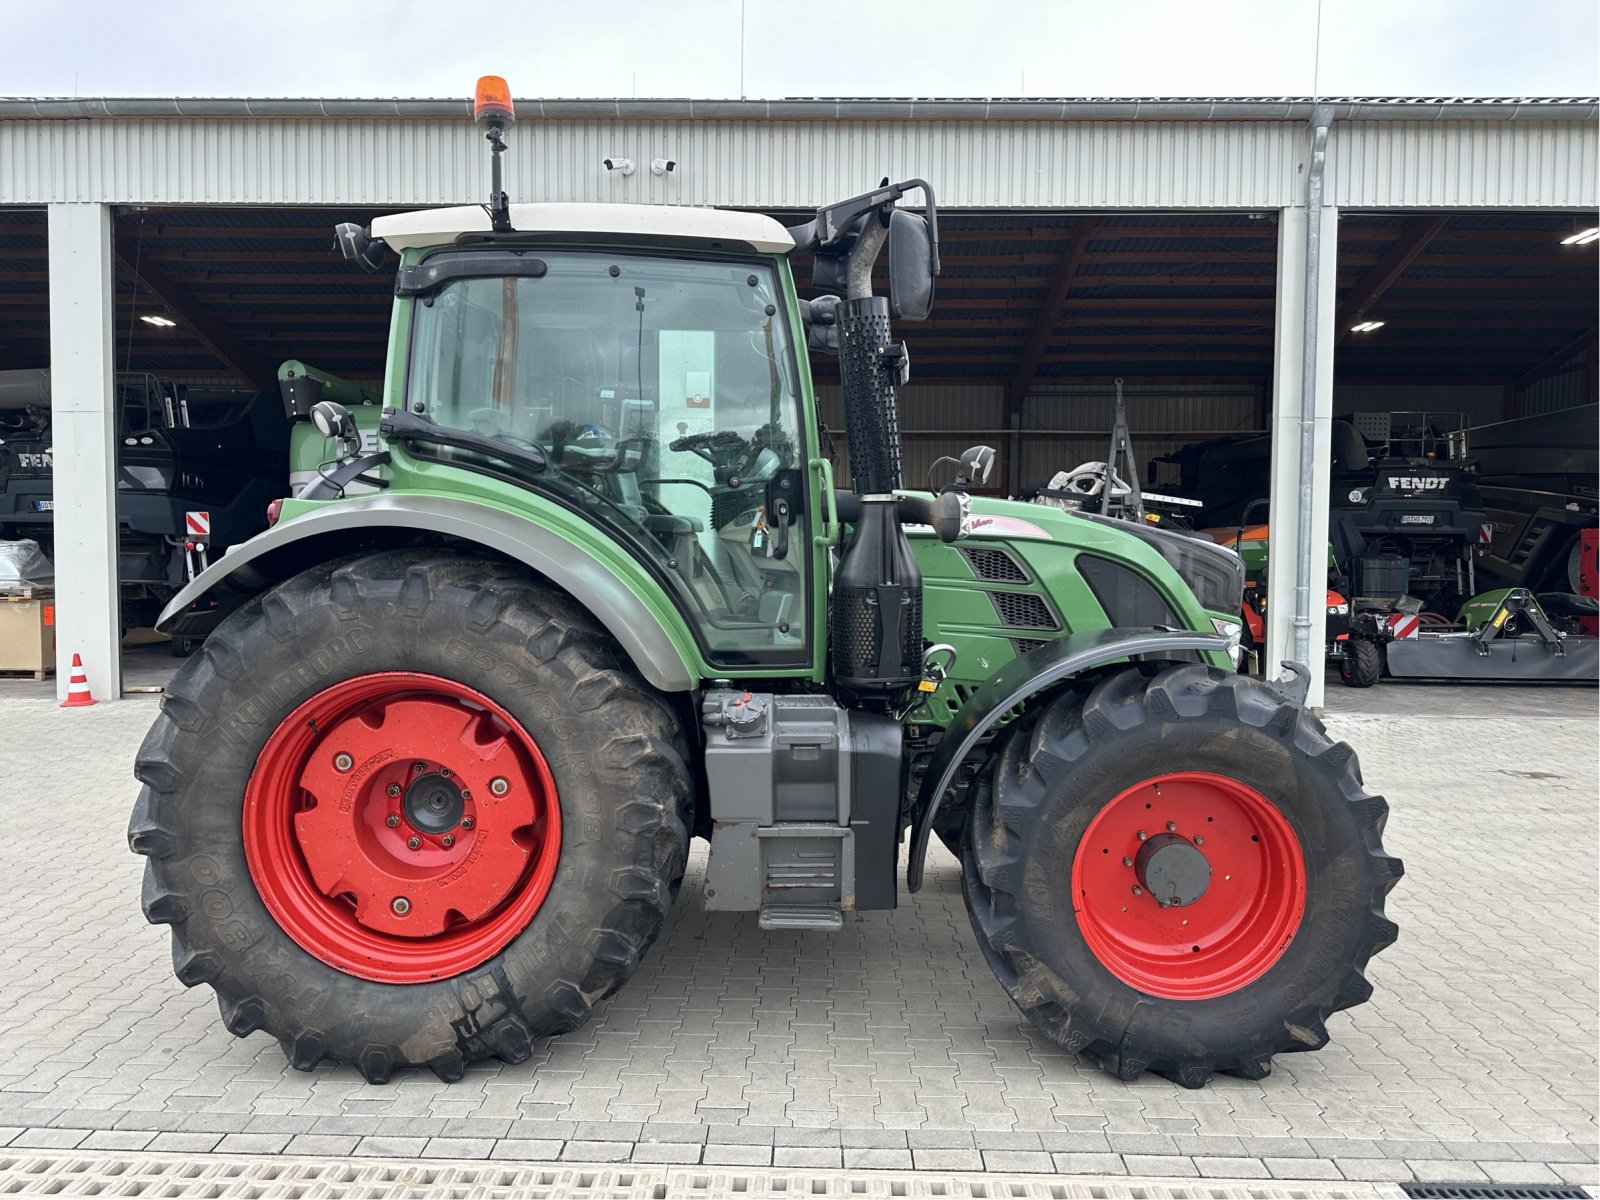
(1565, 604)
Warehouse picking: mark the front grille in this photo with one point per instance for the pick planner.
(1023, 645)
(995, 566)
(1023, 610)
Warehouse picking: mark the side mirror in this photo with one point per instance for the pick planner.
(359, 246)
(911, 266)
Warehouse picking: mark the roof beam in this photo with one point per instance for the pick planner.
(1552, 363)
(218, 340)
(1044, 325)
(1413, 240)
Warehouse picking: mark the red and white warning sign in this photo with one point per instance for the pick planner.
(197, 524)
(1404, 625)
(1485, 533)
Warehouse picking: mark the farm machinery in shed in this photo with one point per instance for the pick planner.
(426, 792)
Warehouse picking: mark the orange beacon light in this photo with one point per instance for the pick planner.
(491, 104)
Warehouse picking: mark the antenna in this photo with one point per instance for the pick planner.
(741, 49)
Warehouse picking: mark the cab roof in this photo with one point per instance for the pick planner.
(703, 227)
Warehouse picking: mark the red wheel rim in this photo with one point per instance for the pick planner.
(401, 827)
(1194, 824)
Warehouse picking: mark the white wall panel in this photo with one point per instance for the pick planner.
(1464, 164)
(1013, 164)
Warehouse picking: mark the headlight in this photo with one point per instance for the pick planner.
(1233, 631)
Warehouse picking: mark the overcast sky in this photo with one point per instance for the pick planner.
(608, 48)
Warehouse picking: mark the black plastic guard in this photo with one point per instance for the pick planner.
(1015, 682)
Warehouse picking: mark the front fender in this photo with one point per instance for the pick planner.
(269, 557)
(1021, 678)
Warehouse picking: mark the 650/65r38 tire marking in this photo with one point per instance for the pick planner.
(401, 826)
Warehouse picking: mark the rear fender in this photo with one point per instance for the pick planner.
(381, 521)
(1021, 679)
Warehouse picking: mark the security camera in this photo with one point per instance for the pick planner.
(662, 166)
(625, 165)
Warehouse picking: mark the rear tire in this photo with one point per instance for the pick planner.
(308, 960)
(1361, 663)
(1281, 933)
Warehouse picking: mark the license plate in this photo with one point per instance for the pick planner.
(1415, 519)
(44, 506)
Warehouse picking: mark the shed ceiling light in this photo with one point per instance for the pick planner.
(1582, 239)
(1366, 326)
(159, 322)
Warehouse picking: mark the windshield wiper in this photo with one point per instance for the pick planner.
(404, 427)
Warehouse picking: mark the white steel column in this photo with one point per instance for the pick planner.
(83, 439)
(1290, 341)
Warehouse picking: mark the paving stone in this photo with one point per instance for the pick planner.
(667, 1152)
(686, 1134)
(333, 1145)
(1089, 1164)
(874, 1139)
(946, 1160)
(1303, 1168)
(867, 1159)
(458, 1147)
(807, 1156)
(1231, 1168)
(1159, 1164)
(527, 1149)
(1518, 1172)
(596, 1152)
(1436, 1170)
(608, 1131)
(253, 1143)
(731, 1154)
(1000, 1139)
(941, 1139)
(117, 1139)
(384, 1146)
(1375, 1170)
(1017, 1160)
(173, 1142)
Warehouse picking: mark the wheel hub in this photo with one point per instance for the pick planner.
(1188, 885)
(433, 803)
(1172, 870)
(401, 826)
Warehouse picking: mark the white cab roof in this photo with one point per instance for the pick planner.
(642, 222)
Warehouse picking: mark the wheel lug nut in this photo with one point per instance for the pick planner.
(343, 762)
(392, 820)
(1172, 827)
(393, 790)
(414, 842)
(419, 768)
(499, 786)
(466, 795)
(449, 840)
(445, 771)
(1198, 840)
(401, 906)
(1143, 835)
(1137, 890)
(1127, 862)
(466, 822)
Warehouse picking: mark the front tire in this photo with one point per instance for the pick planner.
(1361, 663)
(1178, 873)
(411, 809)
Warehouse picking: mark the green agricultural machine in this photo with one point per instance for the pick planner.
(426, 792)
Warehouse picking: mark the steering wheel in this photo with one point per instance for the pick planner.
(492, 423)
(717, 440)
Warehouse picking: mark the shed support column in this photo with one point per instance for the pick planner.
(1290, 541)
(83, 439)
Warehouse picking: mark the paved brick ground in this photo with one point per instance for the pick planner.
(888, 1045)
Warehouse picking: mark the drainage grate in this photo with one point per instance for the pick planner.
(220, 1177)
(1494, 1191)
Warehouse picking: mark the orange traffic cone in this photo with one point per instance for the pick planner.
(78, 694)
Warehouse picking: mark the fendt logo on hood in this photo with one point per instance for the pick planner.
(1419, 483)
(36, 461)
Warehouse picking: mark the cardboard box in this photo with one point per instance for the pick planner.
(28, 634)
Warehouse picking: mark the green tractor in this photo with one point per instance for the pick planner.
(426, 793)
